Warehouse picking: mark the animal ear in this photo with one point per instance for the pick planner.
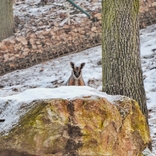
(82, 65)
(72, 64)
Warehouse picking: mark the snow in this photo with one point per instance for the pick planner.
(34, 17)
(148, 57)
(53, 73)
(63, 92)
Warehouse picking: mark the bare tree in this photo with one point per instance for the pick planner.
(6, 18)
(121, 63)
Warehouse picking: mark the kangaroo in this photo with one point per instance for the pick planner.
(76, 78)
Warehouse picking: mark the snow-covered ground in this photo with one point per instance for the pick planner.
(21, 86)
(33, 16)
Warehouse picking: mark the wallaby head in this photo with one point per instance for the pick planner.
(77, 70)
(76, 78)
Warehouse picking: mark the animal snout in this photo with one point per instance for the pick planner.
(77, 74)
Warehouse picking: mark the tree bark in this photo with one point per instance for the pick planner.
(121, 64)
(6, 19)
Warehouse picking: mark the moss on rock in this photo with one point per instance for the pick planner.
(79, 127)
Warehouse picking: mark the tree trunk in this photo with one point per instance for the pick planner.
(6, 19)
(121, 64)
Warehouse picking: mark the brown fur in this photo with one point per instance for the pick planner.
(43, 2)
(76, 78)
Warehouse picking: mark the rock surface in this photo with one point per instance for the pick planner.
(87, 126)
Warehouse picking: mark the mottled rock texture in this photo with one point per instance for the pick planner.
(90, 126)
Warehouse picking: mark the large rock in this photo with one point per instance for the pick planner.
(86, 126)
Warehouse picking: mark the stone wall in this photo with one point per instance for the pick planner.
(147, 13)
(18, 52)
(24, 51)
